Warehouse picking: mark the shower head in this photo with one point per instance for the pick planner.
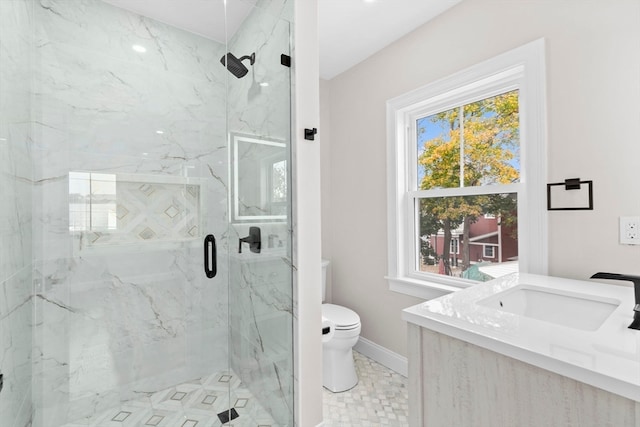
(235, 65)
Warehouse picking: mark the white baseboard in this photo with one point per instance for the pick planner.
(383, 356)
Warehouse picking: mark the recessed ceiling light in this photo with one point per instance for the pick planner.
(264, 84)
(159, 132)
(139, 48)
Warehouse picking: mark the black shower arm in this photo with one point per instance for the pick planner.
(251, 57)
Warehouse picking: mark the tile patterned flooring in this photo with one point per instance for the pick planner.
(193, 404)
(379, 399)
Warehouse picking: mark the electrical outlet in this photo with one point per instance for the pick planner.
(630, 230)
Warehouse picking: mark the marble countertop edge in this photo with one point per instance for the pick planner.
(608, 378)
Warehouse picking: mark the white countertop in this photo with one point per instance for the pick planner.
(608, 358)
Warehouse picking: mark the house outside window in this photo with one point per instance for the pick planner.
(466, 165)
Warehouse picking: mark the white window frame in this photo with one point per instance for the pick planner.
(454, 245)
(484, 251)
(523, 69)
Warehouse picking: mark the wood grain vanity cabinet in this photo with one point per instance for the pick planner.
(455, 383)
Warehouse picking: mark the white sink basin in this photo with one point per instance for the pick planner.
(578, 311)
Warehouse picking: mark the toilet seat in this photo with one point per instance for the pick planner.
(342, 317)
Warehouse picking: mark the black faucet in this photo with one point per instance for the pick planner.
(636, 285)
(253, 239)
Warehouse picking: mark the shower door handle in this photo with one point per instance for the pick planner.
(210, 256)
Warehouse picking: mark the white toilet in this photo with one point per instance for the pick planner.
(338, 370)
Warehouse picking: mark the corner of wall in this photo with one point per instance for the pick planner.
(306, 217)
(325, 174)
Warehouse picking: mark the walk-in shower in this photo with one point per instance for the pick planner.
(126, 151)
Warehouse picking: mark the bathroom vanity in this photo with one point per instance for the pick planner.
(525, 350)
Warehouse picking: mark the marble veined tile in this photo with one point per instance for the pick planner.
(16, 311)
(263, 111)
(16, 303)
(114, 107)
(261, 328)
(109, 329)
(93, 25)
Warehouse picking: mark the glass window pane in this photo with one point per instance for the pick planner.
(473, 237)
(438, 140)
(492, 141)
(471, 145)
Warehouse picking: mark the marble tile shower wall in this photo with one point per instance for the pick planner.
(261, 317)
(133, 314)
(16, 302)
(261, 329)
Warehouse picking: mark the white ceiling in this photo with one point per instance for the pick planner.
(349, 30)
(352, 30)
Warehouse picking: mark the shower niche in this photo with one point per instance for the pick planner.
(107, 209)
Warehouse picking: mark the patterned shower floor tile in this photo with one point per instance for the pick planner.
(192, 404)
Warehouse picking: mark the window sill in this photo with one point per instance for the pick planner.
(419, 288)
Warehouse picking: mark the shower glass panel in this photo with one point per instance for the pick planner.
(130, 138)
(133, 118)
(260, 291)
(16, 308)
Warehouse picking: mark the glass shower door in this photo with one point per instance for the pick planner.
(131, 167)
(144, 149)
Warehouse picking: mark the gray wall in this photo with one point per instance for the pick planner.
(16, 303)
(593, 64)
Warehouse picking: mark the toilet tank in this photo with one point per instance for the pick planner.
(325, 264)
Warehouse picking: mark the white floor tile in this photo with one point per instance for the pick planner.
(379, 399)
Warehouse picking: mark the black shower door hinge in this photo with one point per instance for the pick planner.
(285, 60)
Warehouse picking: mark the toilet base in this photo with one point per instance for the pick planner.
(338, 370)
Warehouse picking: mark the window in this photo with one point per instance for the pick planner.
(454, 247)
(466, 165)
(471, 145)
(489, 252)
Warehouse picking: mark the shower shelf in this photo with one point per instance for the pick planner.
(134, 209)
